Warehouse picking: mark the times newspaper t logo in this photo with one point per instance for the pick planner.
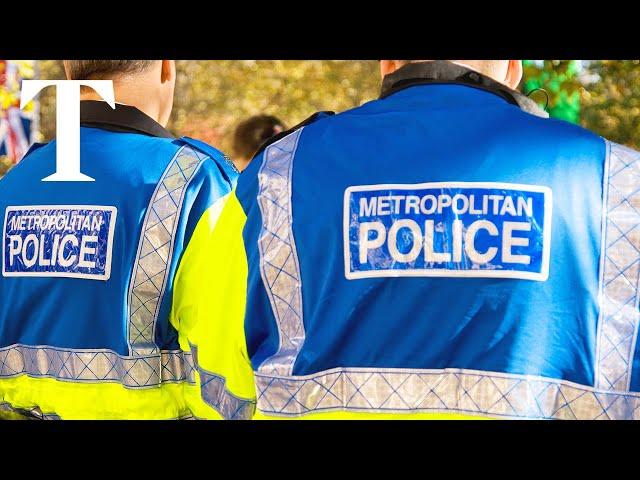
(67, 121)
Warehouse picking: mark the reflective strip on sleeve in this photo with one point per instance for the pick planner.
(95, 366)
(214, 392)
(473, 392)
(619, 270)
(155, 250)
(278, 257)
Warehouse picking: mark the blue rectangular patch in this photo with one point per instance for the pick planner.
(448, 229)
(72, 241)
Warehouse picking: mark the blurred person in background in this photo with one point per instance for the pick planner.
(444, 251)
(88, 321)
(250, 134)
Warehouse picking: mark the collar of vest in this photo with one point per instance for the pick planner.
(445, 72)
(124, 119)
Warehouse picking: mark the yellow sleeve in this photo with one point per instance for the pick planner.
(208, 313)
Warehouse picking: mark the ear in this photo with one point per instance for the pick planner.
(168, 71)
(389, 66)
(514, 74)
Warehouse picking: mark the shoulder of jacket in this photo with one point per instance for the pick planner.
(203, 149)
(313, 118)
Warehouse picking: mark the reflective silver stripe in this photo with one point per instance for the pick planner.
(155, 250)
(278, 257)
(31, 413)
(96, 366)
(619, 317)
(214, 393)
(447, 391)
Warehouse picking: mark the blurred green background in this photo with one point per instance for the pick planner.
(213, 96)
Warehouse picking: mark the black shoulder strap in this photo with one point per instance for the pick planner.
(283, 134)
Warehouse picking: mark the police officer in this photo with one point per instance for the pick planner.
(88, 323)
(444, 251)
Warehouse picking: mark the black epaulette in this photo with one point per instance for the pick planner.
(283, 134)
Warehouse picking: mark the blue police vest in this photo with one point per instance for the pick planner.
(88, 267)
(440, 249)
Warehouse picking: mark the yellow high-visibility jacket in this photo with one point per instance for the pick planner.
(85, 330)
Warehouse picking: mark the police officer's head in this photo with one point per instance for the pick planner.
(508, 72)
(145, 84)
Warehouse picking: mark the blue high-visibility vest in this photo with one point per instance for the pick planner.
(443, 249)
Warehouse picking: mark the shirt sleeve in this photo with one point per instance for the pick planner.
(208, 313)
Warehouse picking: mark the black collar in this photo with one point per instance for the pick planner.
(442, 71)
(125, 118)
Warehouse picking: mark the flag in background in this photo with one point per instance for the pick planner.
(18, 128)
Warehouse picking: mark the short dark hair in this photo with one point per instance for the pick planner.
(97, 69)
(253, 132)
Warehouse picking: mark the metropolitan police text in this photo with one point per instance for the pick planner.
(72, 223)
(458, 204)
